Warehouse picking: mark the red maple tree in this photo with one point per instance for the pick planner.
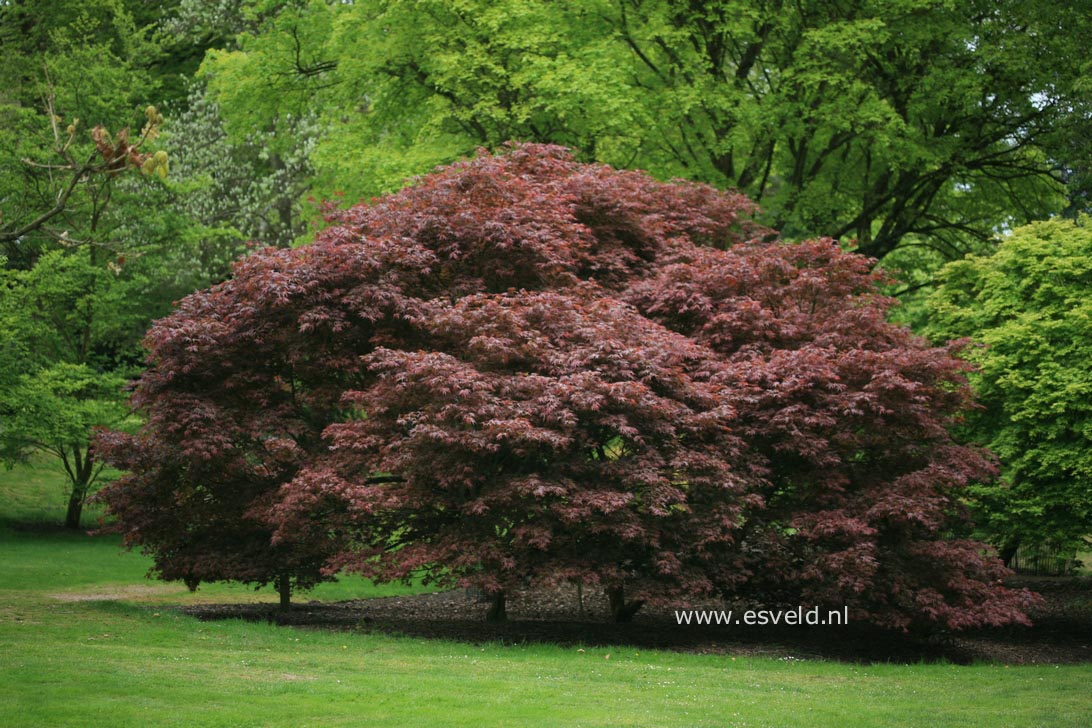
(525, 370)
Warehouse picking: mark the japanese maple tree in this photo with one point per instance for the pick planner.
(524, 370)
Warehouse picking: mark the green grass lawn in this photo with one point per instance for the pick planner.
(85, 640)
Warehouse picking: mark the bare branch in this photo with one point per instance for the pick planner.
(60, 206)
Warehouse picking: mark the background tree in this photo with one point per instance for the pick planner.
(525, 368)
(92, 250)
(912, 122)
(238, 189)
(1026, 309)
(62, 385)
(76, 315)
(251, 126)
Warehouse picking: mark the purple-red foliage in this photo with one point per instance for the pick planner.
(526, 370)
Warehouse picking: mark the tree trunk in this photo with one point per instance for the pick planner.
(1008, 553)
(497, 611)
(284, 588)
(620, 610)
(80, 466)
(75, 508)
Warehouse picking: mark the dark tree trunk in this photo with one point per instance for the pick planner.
(497, 611)
(1008, 553)
(620, 610)
(284, 588)
(81, 468)
(75, 508)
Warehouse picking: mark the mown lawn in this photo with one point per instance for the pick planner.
(85, 640)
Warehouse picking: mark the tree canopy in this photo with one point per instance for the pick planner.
(887, 123)
(523, 368)
(92, 243)
(1026, 311)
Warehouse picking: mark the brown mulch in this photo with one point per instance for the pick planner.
(1062, 633)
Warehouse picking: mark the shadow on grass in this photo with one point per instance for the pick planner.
(1063, 636)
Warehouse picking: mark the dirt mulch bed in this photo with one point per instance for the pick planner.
(1062, 633)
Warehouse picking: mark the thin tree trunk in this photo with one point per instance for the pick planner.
(284, 588)
(75, 508)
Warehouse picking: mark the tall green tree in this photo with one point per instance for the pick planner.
(1027, 310)
(248, 132)
(884, 122)
(89, 244)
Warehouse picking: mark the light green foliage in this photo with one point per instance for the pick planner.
(93, 250)
(403, 87)
(58, 405)
(69, 337)
(274, 74)
(913, 269)
(933, 123)
(423, 84)
(1028, 311)
(54, 410)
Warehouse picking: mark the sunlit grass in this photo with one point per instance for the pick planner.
(86, 640)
